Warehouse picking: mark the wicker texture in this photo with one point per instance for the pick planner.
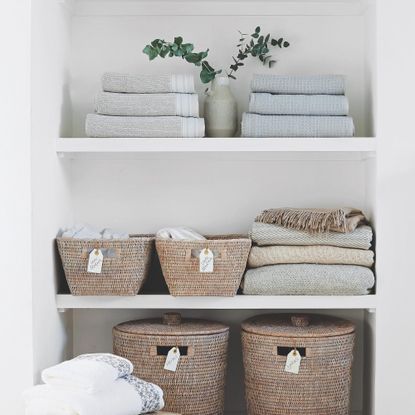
(323, 383)
(198, 384)
(122, 275)
(180, 265)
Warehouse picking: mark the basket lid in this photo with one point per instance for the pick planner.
(298, 325)
(172, 324)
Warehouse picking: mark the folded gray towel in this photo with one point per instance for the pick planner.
(299, 84)
(254, 125)
(266, 234)
(109, 103)
(151, 127)
(273, 104)
(309, 279)
(148, 84)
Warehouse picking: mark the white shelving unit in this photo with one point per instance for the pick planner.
(141, 185)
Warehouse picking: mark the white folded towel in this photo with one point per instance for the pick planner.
(180, 233)
(88, 372)
(126, 396)
(148, 84)
(89, 232)
(107, 126)
(185, 105)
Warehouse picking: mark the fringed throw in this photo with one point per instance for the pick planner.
(314, 220)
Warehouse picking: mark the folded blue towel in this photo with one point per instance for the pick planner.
(273, 104)
(254, 125)
(297, 84)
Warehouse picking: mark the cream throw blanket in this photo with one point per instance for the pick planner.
(272, 255)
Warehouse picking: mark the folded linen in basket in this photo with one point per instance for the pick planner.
(89, 232)
(148, 84)
(320, 254)
(88, 372)
(273, 104)
(299, 84)
(141, 127)
(108, 103)
(255, 125)
(266, 234)
(314, 219)
(125, 396)
(180, 233)
(308, 279)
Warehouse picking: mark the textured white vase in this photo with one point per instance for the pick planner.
(220, 109)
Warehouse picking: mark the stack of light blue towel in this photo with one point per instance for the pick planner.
(157, 106)
(298, 106)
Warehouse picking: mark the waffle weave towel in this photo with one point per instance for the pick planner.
(142, 127)
(266, 234)
(185, 105)
(298, 84)
(321, 254)
(148, 84)
(254, 125)
(273, 104)
(308, 279)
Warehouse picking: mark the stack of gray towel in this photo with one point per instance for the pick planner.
(146, 106)
(287, 261)
(298, 106)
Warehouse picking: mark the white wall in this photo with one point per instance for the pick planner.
(396, 246)
(51, 190)
(15, 207)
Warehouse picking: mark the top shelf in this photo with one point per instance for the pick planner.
(269, 147)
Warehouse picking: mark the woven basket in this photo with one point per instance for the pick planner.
(125, 266)
(323, 383)
(198, 384)
(180, 265)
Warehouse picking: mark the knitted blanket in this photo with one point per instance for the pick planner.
(308, 279)
(272, 104)
(108, 103)
(313, 219)
(267, 234)
(298, 84)
(320, 254)
(156, 127)
(254, 125)
(148, 84)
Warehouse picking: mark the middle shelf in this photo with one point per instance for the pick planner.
(240, 302)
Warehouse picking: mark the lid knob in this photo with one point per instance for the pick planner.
(172, 319)
(300, 320)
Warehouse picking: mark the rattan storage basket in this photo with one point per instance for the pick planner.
(125, 265)
(197, 386)
(180, 265)
(323, 383)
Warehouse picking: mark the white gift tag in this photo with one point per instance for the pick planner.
(206, 260)
(292, 365)
(172, 359)
(96, 258)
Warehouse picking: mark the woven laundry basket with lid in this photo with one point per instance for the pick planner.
(125, 266)
(198, 384)
(322, 385)
(180, 264)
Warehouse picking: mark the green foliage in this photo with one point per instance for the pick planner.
(256, 45)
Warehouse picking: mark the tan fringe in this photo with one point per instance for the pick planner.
(312, 220)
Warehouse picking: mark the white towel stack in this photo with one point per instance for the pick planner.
(298, 106)
(99, 383)
(146, 106)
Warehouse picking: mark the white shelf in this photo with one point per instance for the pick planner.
(240, 302)
(359, 147)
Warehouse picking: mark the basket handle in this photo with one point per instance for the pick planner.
(185, 351)
(107, 253)
(220, 254)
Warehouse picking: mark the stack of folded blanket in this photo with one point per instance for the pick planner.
(146, 106)
(93, 384)
(297, 106)
(310, 252)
